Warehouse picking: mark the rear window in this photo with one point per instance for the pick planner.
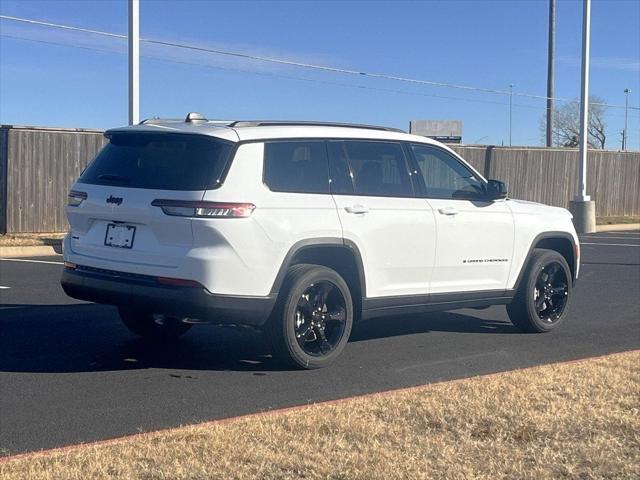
(160, 161)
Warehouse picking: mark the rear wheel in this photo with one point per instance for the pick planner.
(312, 321)
(541, 302)
(152, 326)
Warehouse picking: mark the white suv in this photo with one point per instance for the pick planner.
(300, 228)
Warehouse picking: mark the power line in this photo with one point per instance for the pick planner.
(275, 75)
(292, 63)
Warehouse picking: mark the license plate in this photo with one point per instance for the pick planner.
(120, 236)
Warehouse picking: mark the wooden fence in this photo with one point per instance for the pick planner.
(38, 165)
(549, 175)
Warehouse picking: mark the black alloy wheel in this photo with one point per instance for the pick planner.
(544, 293)
(311, 322)
(320, 318)
(551, 292)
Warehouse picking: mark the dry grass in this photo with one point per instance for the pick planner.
(577, 420)
(31, 239)
(616, 220)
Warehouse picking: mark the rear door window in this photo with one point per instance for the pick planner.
(296, 166)
(375, 168)
(160, 161)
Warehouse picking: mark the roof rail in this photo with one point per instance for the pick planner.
(287, 123)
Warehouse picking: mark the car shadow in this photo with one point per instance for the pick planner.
(90, 338)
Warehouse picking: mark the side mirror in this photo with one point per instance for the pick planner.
(496, 189)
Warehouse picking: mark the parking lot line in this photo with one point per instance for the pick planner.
(610, 244)
(4, 288)
(30, 261)
(594, 237)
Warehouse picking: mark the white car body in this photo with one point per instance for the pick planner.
(411, 253)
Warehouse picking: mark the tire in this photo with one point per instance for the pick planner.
(301, 335)
(542, 300)
(143, 324)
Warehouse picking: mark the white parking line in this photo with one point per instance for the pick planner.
(30, 261)
(610, 244)
(612, 238)
(4, 288)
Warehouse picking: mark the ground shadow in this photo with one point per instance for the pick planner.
(90, 338)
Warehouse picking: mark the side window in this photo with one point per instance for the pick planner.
(296, 166)
(376, 168)
(444, 176)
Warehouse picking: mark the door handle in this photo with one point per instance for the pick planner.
(357, 209)
(448, 211)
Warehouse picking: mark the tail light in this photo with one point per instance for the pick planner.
(75, 198)
(186, 208)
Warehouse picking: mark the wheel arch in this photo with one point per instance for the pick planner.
(341, 255)
(561, 242)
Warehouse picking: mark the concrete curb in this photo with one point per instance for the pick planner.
(620, 227)
(33, 251)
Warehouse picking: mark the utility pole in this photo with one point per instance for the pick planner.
(582, 207)
(510, 111)
(550, 65)
(134, 61)
(626, 113)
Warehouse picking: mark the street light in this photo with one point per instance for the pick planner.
(134, 62)
(626, 113)
(582, 207)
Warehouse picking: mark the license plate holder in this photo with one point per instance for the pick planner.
(119, 235)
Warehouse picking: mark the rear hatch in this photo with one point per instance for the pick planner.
(110, 207)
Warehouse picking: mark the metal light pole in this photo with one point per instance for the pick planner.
(584, 102)
(134, 62)
(550, 61)
(583, 209)
(626, 113)
(510, 111)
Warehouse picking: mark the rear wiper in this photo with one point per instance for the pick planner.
(114, 178)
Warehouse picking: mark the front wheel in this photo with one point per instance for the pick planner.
(152, 326)
(542, 299)
(312, 321)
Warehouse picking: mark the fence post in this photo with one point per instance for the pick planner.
(4, 168)
(488, 157)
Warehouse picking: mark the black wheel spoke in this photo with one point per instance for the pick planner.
(325, 346)
(552, 271)
(560, 290)
(304, 332)
(337, 315)
(305, 305)
(322, 292)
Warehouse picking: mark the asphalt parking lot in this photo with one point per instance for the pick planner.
(70, 373)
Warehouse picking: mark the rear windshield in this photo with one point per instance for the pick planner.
(159, 161)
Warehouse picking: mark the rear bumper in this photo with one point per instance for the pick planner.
(144, 292)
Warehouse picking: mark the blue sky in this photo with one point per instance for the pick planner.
(80, 80)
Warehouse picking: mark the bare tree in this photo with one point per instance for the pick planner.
(566, 124)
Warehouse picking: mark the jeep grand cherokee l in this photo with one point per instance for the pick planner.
(301, 228)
